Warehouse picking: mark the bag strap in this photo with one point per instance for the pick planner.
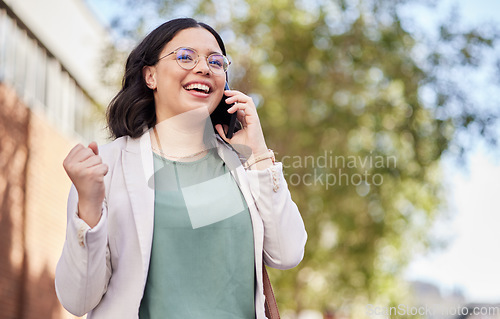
(270, 304)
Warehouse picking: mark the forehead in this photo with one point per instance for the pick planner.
(199, 39)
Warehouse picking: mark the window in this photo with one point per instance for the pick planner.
(42, 82)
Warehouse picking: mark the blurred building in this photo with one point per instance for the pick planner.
(50, 96)
(428, 295)
(450, 306)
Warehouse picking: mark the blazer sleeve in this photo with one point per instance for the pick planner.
(284, 231)
(84, 268)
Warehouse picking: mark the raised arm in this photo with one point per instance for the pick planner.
(83, 271)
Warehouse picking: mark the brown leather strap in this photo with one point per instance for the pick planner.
(270, 305)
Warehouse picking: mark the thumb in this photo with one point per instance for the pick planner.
(93, 147)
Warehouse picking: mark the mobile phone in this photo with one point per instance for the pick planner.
(220, 116)
(232, 120)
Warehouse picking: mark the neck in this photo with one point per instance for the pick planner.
(182, 135)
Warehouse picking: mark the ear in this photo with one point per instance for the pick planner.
(149, 75)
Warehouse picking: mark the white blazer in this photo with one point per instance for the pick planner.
(103, 270)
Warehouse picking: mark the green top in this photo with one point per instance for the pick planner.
(202, 256)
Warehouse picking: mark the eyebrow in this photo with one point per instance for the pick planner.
(216, 52)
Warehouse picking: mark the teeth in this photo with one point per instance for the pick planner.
(198, 86)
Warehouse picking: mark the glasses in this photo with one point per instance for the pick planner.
(188, 58)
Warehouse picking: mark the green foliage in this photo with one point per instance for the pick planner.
(342, 81)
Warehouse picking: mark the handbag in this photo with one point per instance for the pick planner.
(270, 304)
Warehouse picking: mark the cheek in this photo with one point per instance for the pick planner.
(217, 99)
(220, 96)
(220, 88)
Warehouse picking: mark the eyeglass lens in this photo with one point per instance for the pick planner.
(188, 59)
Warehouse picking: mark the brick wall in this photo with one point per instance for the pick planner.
(47, 187)
(33, 195)
(14, 119)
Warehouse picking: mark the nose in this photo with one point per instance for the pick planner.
(202, 66)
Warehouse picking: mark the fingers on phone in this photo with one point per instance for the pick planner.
(240, 115)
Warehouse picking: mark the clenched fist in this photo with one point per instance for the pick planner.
(86, 170)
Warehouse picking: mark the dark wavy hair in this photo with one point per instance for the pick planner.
(133, 108)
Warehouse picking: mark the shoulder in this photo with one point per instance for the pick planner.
(112, 151)
(113, 148)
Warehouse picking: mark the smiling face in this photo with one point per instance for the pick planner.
(177, 90)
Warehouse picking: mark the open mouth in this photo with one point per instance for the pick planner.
(198, 87)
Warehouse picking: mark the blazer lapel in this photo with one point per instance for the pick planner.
(236, 168)
(137, 163)
(233, 162)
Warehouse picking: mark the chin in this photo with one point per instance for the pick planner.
(201, 109)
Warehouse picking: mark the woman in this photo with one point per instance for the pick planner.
(168, 220)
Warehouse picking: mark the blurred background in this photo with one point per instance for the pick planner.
(383, 112)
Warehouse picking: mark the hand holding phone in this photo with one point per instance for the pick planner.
(221, 116)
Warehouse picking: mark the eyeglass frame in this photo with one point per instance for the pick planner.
(198, 59)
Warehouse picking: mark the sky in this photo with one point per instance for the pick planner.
(471, 259)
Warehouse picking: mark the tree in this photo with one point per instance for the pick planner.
(360, 110)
